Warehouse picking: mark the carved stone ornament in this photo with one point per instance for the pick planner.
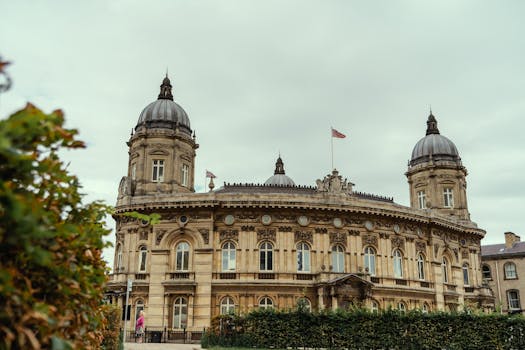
(334, 183)
(266, 235)
(353, 232)
(338, 237)
(205, 233)
(456, 253)
(321, 230)
(421, 246)
(160, 234)
(369, 239)
(144, 235)
(436, 250)
(353, 221)
(248, 228)
(232, 235)
(303, 236)
(384, 235)
(464, 254)
(398, 242)
(125, 187)
(285, 229)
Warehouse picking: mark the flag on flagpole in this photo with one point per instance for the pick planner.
(337, 134)
(210, 174)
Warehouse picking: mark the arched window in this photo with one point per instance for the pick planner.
(303, 257)
(143, 254)
(466, 280)
(421, 267)
(266, 303)
(304, 303)
(119, 258)
(425, 308)
(228, 256)
(374, 306)
(401, 306)
(266, 256)
(485, 270)
(370, 260)
(444, 268)
(180, 313)
(182, 256)
(513, 297)
(227, 306)
(398, 264)
(510, 271)
(338, 259)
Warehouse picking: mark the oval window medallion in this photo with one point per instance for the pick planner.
(266, 219)
(369, 225)
(303, 220)
(229, 219)
(397, 229)
(419, 232)
(338, 222)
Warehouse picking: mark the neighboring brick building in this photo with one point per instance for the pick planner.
(504, 269)
(245, 246)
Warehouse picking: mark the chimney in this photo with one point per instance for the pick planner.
(511, 239)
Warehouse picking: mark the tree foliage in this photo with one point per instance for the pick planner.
(362, 329)
(51, 271)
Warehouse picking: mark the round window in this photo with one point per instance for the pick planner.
(266, 219)
(369, 225)
(229, 219)
(303, 220)
(338, 222)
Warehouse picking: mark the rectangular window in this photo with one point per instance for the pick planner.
(185, 172)
(158, 170)
(514, 300)
(448, 198)
(422, 200)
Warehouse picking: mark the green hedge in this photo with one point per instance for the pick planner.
(361, 329)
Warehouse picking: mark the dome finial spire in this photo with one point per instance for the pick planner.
(432, 125)
(165, 89)
(279, 166)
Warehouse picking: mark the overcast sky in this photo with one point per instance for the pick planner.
(262, 77)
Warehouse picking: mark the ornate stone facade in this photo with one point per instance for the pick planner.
(244, 246)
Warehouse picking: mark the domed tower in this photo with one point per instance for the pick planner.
(279, 178)
(436, 175)
(161, 149)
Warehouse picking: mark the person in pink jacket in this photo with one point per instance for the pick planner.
(139, 327)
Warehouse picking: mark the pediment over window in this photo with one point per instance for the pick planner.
(159, 152)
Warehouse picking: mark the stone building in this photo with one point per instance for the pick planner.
(503, 269)
(277, 244)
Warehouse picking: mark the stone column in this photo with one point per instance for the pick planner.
(438, 285)
(156, 299)
(202, 308)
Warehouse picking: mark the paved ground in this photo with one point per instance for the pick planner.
(153, 346)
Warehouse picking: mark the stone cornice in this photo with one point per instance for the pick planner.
(317, 202)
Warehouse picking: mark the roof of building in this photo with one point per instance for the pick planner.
(434, 146)
(164, 112)
(517, 248)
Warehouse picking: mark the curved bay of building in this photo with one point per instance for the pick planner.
(245, 246)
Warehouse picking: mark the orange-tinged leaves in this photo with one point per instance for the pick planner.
(53, 277)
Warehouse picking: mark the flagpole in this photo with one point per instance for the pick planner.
(332, 148)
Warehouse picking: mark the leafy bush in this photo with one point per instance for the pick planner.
(362, 329)
(111, 333)
(51, 271)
